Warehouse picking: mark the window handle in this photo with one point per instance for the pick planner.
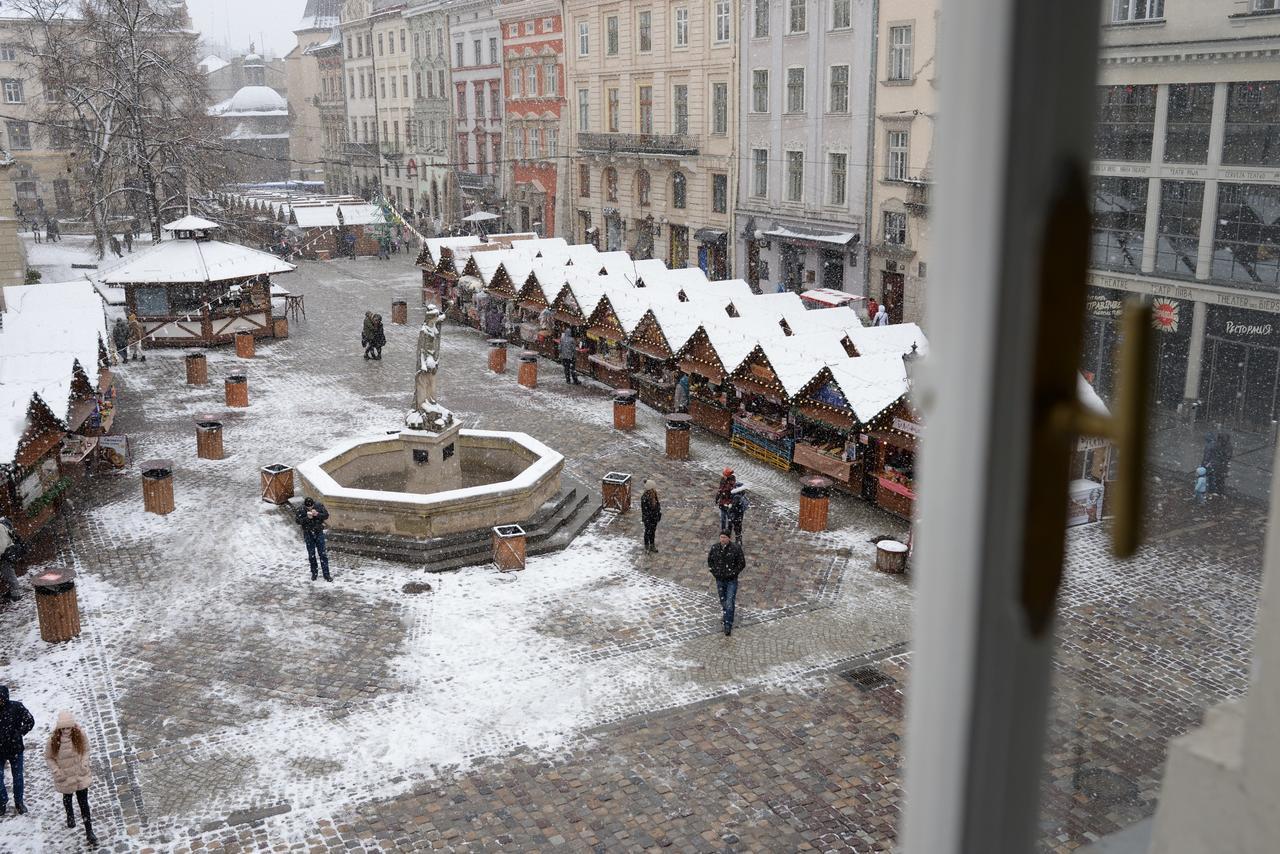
(1061, 419)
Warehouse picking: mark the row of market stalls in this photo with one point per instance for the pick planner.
(797, 383)
(314, 226)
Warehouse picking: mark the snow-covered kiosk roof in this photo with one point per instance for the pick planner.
(189, 260)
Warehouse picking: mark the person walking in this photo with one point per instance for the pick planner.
(568, 356)
(57, 230)
(67, 754)
(650, 514)
(49, 235)
(35, 231)
(881, 317)
(120, 339)
(724, 497)
(128, 240)
(379, 338)
(114, 244)
(682, 393)
(12, 548)
(1202, 485)
(726, 563)
(873, 308)
(136, 333)
(15, 722)
(366, 335)
(737, 510)
(311, 517)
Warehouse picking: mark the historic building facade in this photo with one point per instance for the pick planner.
(39, 177)
(476, 60)
(431, 161)
(306, 89)
(331, 108)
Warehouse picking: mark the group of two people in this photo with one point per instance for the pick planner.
(372, 336)
(126, 336)
(66, 752)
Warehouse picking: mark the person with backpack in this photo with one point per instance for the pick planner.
(737, 509)
(67, 755)
(12, 549)
(366, 335)
(726, 562)
(378, 338)
(15, 722)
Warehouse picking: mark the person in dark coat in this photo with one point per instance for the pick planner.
(15, 722)
(650, 514)
(724, 496)
(128, 240)
(379, 337)
(1218, 451)
(726, 562)
(311, 516)
(12, 550)
(568, 354)
(120, 339)
(737, 510)
(114, 244)
(366, 335)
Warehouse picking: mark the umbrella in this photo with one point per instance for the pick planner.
(480, 216)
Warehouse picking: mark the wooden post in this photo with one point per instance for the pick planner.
(509, 543)
(57, 607)
(157, 487)
(277, 484)
(399, 312)
(528, 376)
(197, 369)
(498, 355)
(237, 390)
(615, 492)
(244, 345)
(815, 497)
(624, 409)
(678, 436)
(209, 440)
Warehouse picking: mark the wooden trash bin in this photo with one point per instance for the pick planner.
(57, 607)
(399, 312)
(157, 486)
(280, 327)
(498, 355)
(678, 425)
(624, 409)
(509, 543)
(209, 440)
(815, 496)
(237, 390)
(277, 483)
(197, 369)
(244, 345)
(891, 557)
(615, 492)
(528, 376)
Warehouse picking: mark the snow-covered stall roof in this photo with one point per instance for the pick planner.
(619, 263)
(586, 293)
(896, 338)
(807, 320)
(433, 245)
(684, 276)
(678, 321)
(193, 262)
(731, 341)
(581, 253)
(798, 359)
(722, 291)
(541, 245)
(773, 306)
(629, 306)
(870, 384)
(326, 216)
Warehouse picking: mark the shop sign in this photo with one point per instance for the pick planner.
(38, 482)
(1164, 315)
(830, 395)
(113, 451)
(911, 428)
(1106, 304)
(1249, 327)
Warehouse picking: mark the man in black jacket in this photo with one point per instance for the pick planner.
(15, 722)
(311, 517)
(726, 563)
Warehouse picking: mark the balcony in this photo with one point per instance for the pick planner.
(660, 144)
(390, 149)
(360, 149)
(917, 201)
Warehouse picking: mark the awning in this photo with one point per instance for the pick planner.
(709, 235)
(807, 235)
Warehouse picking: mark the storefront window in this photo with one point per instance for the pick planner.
(151, 302)
(1178, 240)
(1253, 125)
(1126, 122)
(1246, 244)
(1190, 113)
(1119, 219)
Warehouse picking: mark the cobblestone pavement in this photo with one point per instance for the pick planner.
(587, 704)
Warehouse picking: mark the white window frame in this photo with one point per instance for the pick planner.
(676, 109)
(644, 30)
(8, 53)
(831, 90)
(847, 7)
(759, 105)
(837, 190)
(584, 109)
(531, 81)
(900, 53)
(612, 36)
(760, 19)
(1136, 11)
(790, 108)
(802, 18)
(584, 38)
(721, 12)
(553, 142)
(793, 180)
(719, 109)
(681, 16)
(894, 224)
(898, 146)
(13, 91)
(759, 172)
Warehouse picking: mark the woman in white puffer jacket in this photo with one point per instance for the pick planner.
(67, 754)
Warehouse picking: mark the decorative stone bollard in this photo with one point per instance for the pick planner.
(277, 484)
(815, 495)
(400, 312)
(528, 375)
(678, 425)
(237, 390)
(209, 440)
(624, 409)
(509, 544)
(57, 607)
(891, 557)
(197, 369)
(157, 487)
(244, 345)
(498, 355)
(615, 492)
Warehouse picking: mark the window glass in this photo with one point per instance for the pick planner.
(759, 172)
(900, 48)
(760, 21)
(895, 228)
(610, 181)
(720, 108)
(899, 151)
(1190, 114)
(680, 100)
(1253, 124)
(760, 90)
(682, 27)
(1119, 207)
(611, 110)
(722, 21)
(679, 190)
(645, 31)
(646, 109)
(795, 90)
(841, 14)
(611, 35)
(719, 193)
(584, 109)
(1178, 233)
(796, 16)
(1123, 11)
(795, 176)
(838, 178)
(1126, 122)
(839, 89)
(1246, 243)
(642, 187)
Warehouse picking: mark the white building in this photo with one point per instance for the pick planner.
(475, 35)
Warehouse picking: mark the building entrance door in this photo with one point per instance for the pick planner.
(792, 266)
(891, 290)
(612, 233)
(832, 270)
(679, 256)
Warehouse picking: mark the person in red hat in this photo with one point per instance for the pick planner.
(724, 497)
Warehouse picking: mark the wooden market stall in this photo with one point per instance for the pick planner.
(536, 295)
(439, 277)
(575, 303)
(608, 329)
(663, 330)
(710, 355)
(891, 442)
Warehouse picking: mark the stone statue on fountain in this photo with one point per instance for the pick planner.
(428, 415)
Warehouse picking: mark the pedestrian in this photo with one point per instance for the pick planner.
(12, 550)
(136, 333)
(724, 497)
(128, 240)
(311, 517)
(15, 722)
(726, 563)
(366, 335)
(737, 510)
(872, 308)
(546, 325)
(682, 393)
(881, 317)
(568, 356)
(67, 755)
(379, 337)
(48, 231)
(1222, 453)
(650, 514)
(1202, 485)
(57, 230)
(114, 244)
(35, 230)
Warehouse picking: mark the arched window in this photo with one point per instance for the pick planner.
(678, 190)
(610, 184)
(642, 188)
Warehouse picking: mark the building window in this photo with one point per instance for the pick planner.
(584, 39)
(458, 58)
(1190, 114)
(900, 43)
(584, 181)
(680, 112)
(795, 176)
(682, 27)
(611, 35)
(393, 86)
(462, 102)
(719, 193)
(796, 17)
(417, 46)
(417, 84)
(551, 79)
(440, 42)
(837, 177)
(1136, 10)
(476, 53)
(1253, 124)
(722, 21)
(646, 109)
(493, 51)
(899, 150)
(520, 143)
(513, 31)
(402, 41)
(517, 83)
(679, 190)
(548, 25)
(1119, 218)
(895, 228)
(380, 45)
(1246, 242)
(760, 90)
(1126, 122)
(19, 135)
(841, 14)
(349, 47)
(531, 81)
(13, 92)
(535, 143)
(760, 172)
(839, 89)
(584, 109)
(382, 86)
(528, 28)
(553, 142)
(760, 21)
(720, 108)
(479, 102)
(609, 181)
(611, 110)
(1178, 243)
(645, 31)
(795, 90)
(642, 188)
(495, 101)
(440, 82)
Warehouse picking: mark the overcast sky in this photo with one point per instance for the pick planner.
(268, 23)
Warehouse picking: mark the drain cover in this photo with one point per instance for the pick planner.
(413, 588)
(867, 678)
